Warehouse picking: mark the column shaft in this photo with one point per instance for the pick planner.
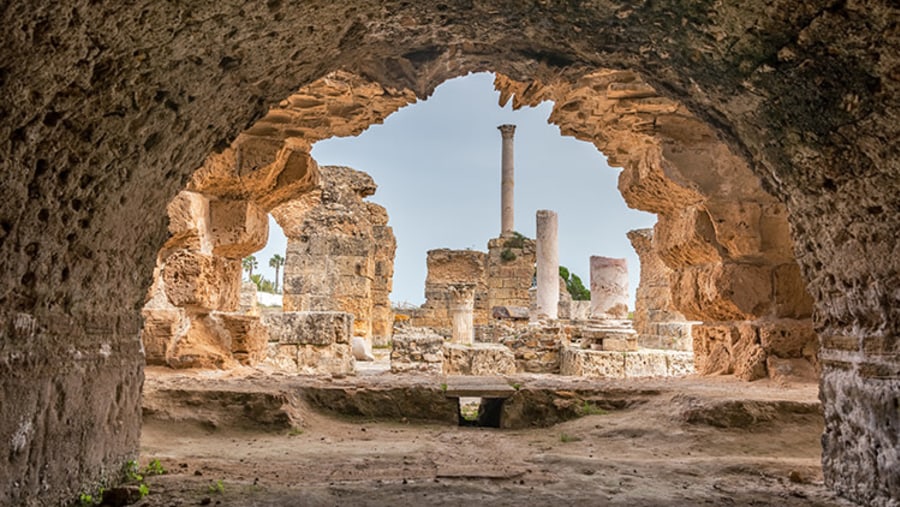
(547, 264)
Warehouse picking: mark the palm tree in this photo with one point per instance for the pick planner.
(276, 262)
(249, 263)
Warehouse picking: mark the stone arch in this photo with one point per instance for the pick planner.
(105, 115)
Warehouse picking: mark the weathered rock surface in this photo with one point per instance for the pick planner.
(480, 359)
(309, 328)
(340, 252)
(417, 351)
(106, 112)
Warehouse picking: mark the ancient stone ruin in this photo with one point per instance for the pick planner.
(762, 138)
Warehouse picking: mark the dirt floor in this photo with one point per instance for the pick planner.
(688, 441)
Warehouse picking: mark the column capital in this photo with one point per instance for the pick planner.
(507, 130)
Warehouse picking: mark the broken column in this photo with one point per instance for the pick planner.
(547, 265)
(507, 182)
(462, 305)
(609, 288)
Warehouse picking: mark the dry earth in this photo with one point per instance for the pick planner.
(688, 441)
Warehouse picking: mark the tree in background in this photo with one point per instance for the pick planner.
(262, 284)
(276, 262)
(249, 263)
(574, 285)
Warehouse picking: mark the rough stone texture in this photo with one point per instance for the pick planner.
(447, 268)
(480, 359)
(246, 334)
(107, 109)
(607, 335)
(591, 363)
(311, 343)
(576, 361)
(509, 270)
(334, 261)
(309, 328)
(536, 349)
(417, 351)
(658, 324)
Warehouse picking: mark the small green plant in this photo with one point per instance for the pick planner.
(143, 490)
(85, 500)
(295, 432)
(516, 386)
(132, 471)
(154, 468)
(217, 487)
(566, 438)
(516, 241)
(588, 408)
(507, 255)
(444, 387)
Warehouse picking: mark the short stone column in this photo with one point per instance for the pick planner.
(609, 288)
(507, 182)
(547, 301)
(462, 305)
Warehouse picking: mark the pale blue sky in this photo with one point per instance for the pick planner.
(437, 166)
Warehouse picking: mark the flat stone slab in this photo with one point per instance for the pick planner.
(478, 387)
(478, 359)
(575, 361)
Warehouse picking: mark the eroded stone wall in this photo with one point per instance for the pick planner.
(657, 322)
(108, 108)
(446, 268)
(340, 252)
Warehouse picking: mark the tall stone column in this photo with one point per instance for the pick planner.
(609, 288)
(507, 182)
(547, 265)
(462, 305)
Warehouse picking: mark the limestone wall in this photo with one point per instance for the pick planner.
(657, 322)
(446, 268)
(340, 252)
(510, 271)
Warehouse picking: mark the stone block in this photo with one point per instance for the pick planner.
(723, 292)
(679, 363)
(237, 228)
(161, 328)
(480, 359)
(200, 347)
(247, 335)
(575, 361)
(786, 337)
(646, 363)
(620, 344)
(791, 298)
(510, 312)
(202, 282)
(417, 351)
(248, 303)
(309, 328)
(791, 370)
(334, 359)
(188, 216)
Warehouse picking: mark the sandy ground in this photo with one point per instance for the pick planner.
(640, 456)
